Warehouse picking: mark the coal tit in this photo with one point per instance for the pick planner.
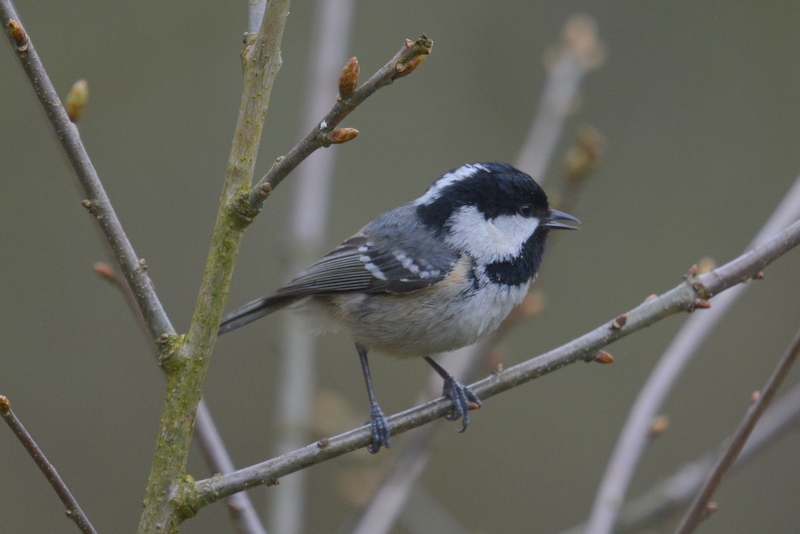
(430, 276)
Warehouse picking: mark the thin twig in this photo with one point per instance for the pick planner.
(402, 64)
(240, 508)
(677, 491)
(564, 79)
(634, 435)
(97, 202)
(684, 297)
(73, 511)
(308, 220)
(698, 510)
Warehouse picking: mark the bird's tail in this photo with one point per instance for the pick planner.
(252, 311)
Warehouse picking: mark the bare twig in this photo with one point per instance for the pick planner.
(672, 494)
(634, 436)
(563, 81)
(681, 298)
(402, 64)
(308, 219)
(240, 508)
(73, 511)
(582, 51)
(97, 202)
(698, 510)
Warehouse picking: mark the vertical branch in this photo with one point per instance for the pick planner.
(308, 219)
(188, 362)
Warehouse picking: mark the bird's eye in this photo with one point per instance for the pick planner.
(526, 210)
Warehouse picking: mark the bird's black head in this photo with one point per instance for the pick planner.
(496, 214)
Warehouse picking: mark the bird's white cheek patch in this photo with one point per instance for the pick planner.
(489, 241)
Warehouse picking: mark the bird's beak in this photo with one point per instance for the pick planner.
(556, 216)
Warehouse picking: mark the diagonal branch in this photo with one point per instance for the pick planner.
(74, 511)
(634, 436)
(675, 492)
(697, 511)
(402, 64)
(97, 202)
(685, 297)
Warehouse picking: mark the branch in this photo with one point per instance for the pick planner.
(581, 52)
(73, 511)
(97, 202)
(673, 493)
(634, 436)
(188, 361)
(685, 297)
(699, 508)
(402, 64)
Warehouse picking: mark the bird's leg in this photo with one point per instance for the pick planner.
(460, 394)
(377, 421)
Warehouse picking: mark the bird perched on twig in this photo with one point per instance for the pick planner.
(430, 276)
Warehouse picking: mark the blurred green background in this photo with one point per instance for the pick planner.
(698, 102)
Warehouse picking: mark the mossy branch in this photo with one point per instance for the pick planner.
(187, 364)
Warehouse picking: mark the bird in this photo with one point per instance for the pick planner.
(430, 276)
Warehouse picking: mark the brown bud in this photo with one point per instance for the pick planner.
(706, 265)
(603, 357)
(583, 157)
(701, 303)
(658, 425)
(758, 276)
(710, 509)
(348, 81)
(619, 322)
(651, 297)
(754, 397)
(342, 135)
(104, 271)
(404, 69)
(5, 404)
(19, 35)
(76, 101)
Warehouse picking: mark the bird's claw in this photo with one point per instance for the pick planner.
(462, 397)
(380, 430)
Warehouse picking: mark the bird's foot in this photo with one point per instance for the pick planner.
(463, 400)
(380, 430)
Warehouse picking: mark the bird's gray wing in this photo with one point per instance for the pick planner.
(358, 265)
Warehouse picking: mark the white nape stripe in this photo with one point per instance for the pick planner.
(489, 240)
(435, 191)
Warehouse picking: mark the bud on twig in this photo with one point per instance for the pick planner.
(342, 135)
(603, 357)
(105, 271)
(76, 101)
(348, 81)
(19, 35)
(423, 45)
